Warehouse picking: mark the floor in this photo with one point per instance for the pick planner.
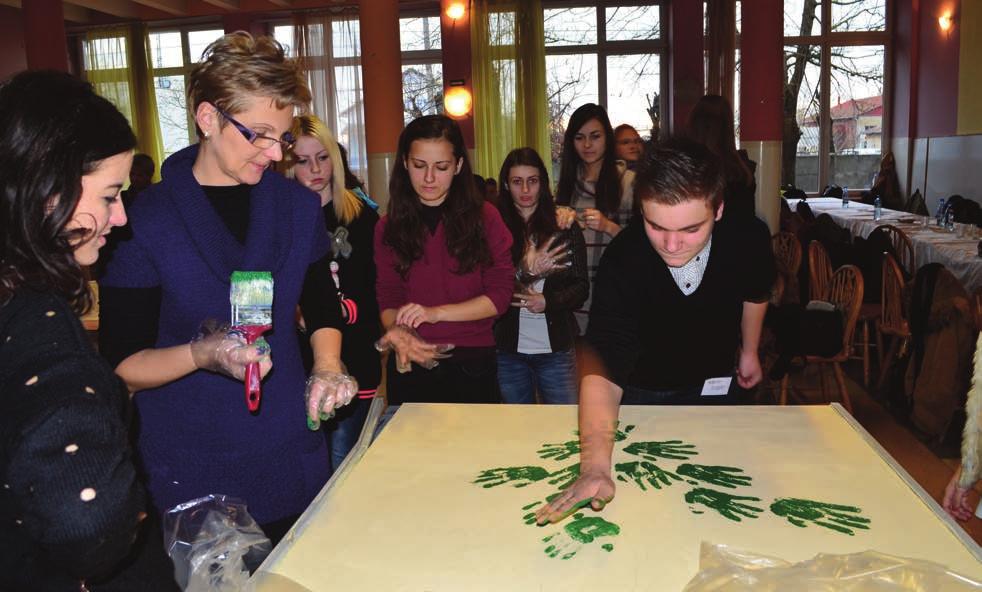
(930, 466)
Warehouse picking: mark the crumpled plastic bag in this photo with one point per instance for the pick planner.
(725, 569)
(214, 544)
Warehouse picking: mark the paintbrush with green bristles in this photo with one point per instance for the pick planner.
(251, 297)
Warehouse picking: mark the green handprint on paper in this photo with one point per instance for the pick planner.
(729, 506)
(517, 476)
(670, 449)
(834, 516)
(564, 450)
(565, 477)
(644, 471)
(582, 530)
(715, 475)
(560, 451)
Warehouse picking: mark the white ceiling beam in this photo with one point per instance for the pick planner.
(175, 7)
(226, 4)
(120, 8)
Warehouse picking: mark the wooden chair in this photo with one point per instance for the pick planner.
(903, 247)
(893, 314)
(787, 256)
(819, 271)
(846, 292)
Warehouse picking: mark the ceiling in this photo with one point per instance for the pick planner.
(95, 12)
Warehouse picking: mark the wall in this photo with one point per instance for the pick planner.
(13, 56)
(937, 110)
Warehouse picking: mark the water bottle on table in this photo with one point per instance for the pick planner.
(877, 208)
(845, 197)
(940, 212)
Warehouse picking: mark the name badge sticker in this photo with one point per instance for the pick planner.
(715, 387)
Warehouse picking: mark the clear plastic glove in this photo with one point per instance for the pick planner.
(219, 348)
(595, 488)
(565, 216)
(325, 392)
(545, 259)
(409, 347)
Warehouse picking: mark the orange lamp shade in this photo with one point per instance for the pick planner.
(457, 101)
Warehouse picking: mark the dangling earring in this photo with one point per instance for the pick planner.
(207, 135)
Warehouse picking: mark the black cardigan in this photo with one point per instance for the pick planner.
(69, 499)
(565, 291)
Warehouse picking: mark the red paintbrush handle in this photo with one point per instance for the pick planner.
(253, 378)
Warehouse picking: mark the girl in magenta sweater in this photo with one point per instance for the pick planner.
(444, 271)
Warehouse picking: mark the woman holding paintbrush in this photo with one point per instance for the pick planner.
(219, 209)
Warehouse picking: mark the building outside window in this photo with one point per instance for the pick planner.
(834, 108)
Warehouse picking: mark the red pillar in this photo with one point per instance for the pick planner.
(456, 55)
(761, 100)
(44, 35)
(382, 76)
(685, 61)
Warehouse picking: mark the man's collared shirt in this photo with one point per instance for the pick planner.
(689, 276)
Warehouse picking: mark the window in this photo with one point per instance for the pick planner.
(835, 51)
(606, 53)
(172, 53)
(422, 68)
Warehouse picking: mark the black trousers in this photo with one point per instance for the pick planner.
(470, 375)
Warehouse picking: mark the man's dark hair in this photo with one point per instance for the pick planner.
(144, 162)
(677, 171)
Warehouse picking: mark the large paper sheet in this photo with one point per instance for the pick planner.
(438, 501)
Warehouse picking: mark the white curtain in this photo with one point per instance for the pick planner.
(330, 47)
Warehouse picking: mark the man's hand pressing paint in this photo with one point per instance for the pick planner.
(594, 488)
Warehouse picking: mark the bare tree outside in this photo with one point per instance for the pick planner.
(855, 79)
(422, 83)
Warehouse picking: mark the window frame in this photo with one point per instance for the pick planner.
(420, 57)
(826, 39)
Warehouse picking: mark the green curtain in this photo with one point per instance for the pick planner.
(509, 78)
(117, 64)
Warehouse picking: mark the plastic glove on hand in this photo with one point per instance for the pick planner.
(409, 347)
(546, 259)
(325, 392)
(219, 348)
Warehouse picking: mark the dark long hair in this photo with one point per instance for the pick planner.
(608, 188)
(53, 131)
(711, 124)
(542, 223)
(463, 221)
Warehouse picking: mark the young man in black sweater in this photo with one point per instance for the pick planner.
(678, 306)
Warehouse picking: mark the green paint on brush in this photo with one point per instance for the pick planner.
(251, 297)
(835, 517)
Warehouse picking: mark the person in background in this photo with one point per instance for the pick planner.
(316, 162)
(71, 504)
(677, 299)
(711, 124)
(630, 146)
(491, 191)
(886, 185)
(141, 176)
(535, 337)
(218, 209)
(444, 268)
(597, 185)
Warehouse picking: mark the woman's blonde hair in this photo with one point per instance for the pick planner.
(238, 67)
(347, 205)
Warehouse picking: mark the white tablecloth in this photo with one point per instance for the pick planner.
(931, 244)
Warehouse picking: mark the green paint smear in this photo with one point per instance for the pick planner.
(837, 517)
(532, 505)
(565, 476)
(715, 475)
(669, 449)
(517, 476)
(727, 505)
(644, 472)
(607, 547)
(583, 530)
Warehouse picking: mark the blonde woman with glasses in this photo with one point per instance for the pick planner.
(219, 208)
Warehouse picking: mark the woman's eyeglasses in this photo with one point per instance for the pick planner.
(258, 140)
